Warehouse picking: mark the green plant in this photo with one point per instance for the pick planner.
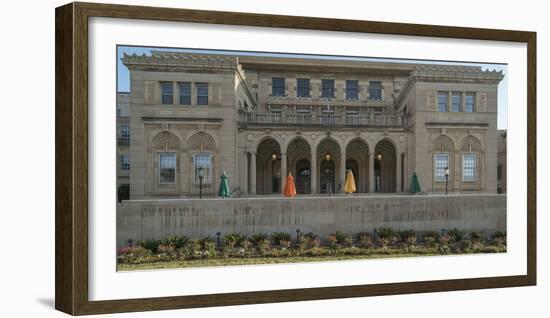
(167, 249)
(245, 244)
(192, 249)
(258, 237)
(263, 247)
(277, 237)
(151, 244)
(408, 237)
(499, 238)
(387, 236)
(233, 239)
(456, 235)
(176, 241)
(340, 237)
(364, 239)
(133, 255)
(332, 241)
(209, 249)
(430, 238)
(309, 235)
(303, 242)
(315, 242)
(285, 243)
(465, 246)
(478, 238)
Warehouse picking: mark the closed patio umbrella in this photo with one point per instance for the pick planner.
(224, 187)
(415, 184)
(349, 186)
(290, 188)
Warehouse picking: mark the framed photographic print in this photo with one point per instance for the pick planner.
(211, 158)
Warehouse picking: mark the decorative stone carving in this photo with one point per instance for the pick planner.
(166, 140)
(201, 141)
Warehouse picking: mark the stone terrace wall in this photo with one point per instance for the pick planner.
(144, 219)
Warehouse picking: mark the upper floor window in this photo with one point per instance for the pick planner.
(167, 168)
(202, 93)
(375, 90)
(303, 87)
(441, 163)
(185, 93)
(469, 167)
(352, 89)
(125, 131)
(442, 101)
(203, 167)
(278, 86)
(327, 88)
(456, 102)
(167, 90)
(124, 163)
(469, 103)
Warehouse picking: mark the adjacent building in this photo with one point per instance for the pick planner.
(191, 117)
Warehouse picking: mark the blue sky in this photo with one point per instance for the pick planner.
(123, 76)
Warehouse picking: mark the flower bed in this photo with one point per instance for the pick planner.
(236, 248)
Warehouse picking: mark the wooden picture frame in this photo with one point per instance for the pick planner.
(72, 280)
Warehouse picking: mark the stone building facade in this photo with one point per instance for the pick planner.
(259, 118)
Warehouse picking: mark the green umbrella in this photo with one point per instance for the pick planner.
(224, 187)
(415, 184)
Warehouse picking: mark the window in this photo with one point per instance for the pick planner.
(278, 86)
(202, 93)
(167, 90)
(442, 101)
(469, 105)
(456, 102)
(469, 167)
(203, 162)
(441, 162)
(499, 172)
(352, 89)
(124, 132)
(124, 162)
(185, 93)
(327, 88)
(375, 90)
(167, 168)
(303, 87)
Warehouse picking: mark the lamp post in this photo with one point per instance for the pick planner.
(201, 176)
(446, 180)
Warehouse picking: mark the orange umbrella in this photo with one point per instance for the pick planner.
(290, 188)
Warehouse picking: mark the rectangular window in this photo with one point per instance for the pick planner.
(202, 93)
(303, 87)
(456, 102)
(469, 167)
(167, 90)
(125, 131)
(203, 166)
(327, 88)
(469, 105)
(167, 168)
(352, 89)
(442, 101)
(441, 163)
(278, 86)
(185, 93)
(375, 90)
(124, 162)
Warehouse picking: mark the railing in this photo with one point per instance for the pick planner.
(324, 119)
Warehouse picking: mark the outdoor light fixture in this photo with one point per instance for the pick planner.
(379, 156)
(218, 242)
(446, 180)
(274, 156)
(327, 156)
(201, 176)
(297, 234)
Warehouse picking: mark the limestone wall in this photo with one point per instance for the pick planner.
(144, 219)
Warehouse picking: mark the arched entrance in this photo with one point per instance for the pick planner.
(357, 159)
(328, 156)
(268, 167)
(299, 155)
(385, 164)
(303, 176)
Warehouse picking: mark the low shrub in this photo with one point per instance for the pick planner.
(364, 239)
(192, 249)
(477, 238)
(387, 236)
(277, 237)
(408, 237)
(430, 238)
(263, 247)
(245, 244)
(285, 243)
(209, 249)
(176, 241)
(258, 237)
(151, 244)
(456, 235)
(499, 238)
(332, 241)
(233, 239)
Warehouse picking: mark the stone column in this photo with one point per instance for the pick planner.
(398, 172)
(245, 174)
(371, 172)
(313, 175)
(252, 173)
(283, 171)
(342, 171)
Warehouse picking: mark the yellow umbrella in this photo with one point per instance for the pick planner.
(349, 186)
